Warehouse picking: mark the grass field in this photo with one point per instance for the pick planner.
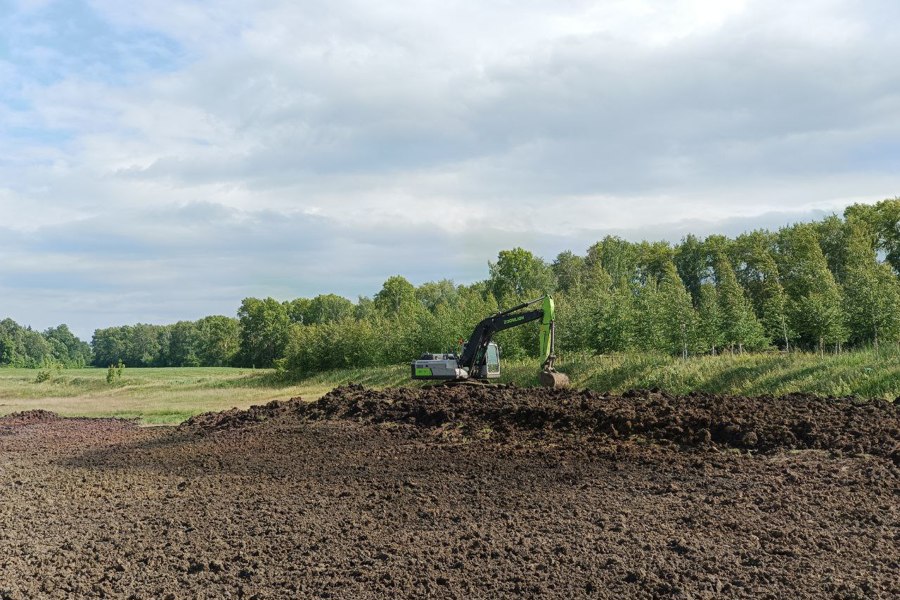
(865, 373)
(155, 396)
(167, 396)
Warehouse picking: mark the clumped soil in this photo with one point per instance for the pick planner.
(459, 492)
(27, 417)
(762, 424)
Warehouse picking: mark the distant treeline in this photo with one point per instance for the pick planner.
(822, 286)
(210, 342)
(24, 347)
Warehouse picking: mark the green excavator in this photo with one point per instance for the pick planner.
(479, 359)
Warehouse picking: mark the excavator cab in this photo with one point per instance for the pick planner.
(491, 367)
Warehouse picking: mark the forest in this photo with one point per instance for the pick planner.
(826, 286)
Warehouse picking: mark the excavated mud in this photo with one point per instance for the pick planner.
(459, 493)
(236, 418)
(28, 417)
(763, 424)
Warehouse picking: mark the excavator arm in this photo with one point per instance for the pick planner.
(473, 354)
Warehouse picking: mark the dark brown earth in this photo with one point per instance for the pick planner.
(459, 493)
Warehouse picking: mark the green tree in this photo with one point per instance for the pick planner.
(218, 340)
(474, 303)
(832, 232)
(883, 221)
(648, 334)
(740, 328)
(436, 293)
(715, 245)
(616, 320)
(579, 308)
(871, 292)
(819, 316)
(140, 345)
(37, 349)
(815, 308)
(364, 309)
(182, 345)
(569, 270)
(264, 331)
(576, 314)
(679, 321)
(710, 327)
(758, 275)
(143, 347)
(10, 353)
(12, 344)
(618, 258)
(409, 333)
(331, 345)
(67, 348)
(396, 296)
(663, 318)
(328, 308)
(436, 331)
(692, 262)
(518, 273)
(298, 309)
(774, 304)
(109, 345)
(747, 253)
(654, 260)
(22, 346)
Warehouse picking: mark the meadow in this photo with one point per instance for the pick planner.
(152, 395)
(158, 396)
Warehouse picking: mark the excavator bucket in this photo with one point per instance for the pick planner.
(554, 380)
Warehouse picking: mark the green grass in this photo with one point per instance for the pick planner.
(167, 396)
(155, 396)
(865, 374)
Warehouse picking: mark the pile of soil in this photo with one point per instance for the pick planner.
(236, 418)
(765, 424)
(368, 494)
(28, 417)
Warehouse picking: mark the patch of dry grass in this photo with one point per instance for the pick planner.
(155, 396)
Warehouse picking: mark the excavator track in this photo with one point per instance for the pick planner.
(460, 383)
(553, 380)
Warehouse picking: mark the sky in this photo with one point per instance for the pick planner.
(162, 160)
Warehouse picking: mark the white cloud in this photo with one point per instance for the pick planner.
(374, 133)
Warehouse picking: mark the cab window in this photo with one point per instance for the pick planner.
(493, 359)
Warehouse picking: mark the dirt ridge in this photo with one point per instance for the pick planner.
(559, 499)
(27, 417)
(763, 424)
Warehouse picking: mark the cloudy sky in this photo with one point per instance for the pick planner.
(162, 160)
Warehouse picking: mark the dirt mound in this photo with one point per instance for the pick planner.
(316, 503)
(28, 417)
(236, 418)
(760, 424)
(763, 424)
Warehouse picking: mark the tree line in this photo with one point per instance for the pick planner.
(23, 347)
(209, 342)
(823, 286)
